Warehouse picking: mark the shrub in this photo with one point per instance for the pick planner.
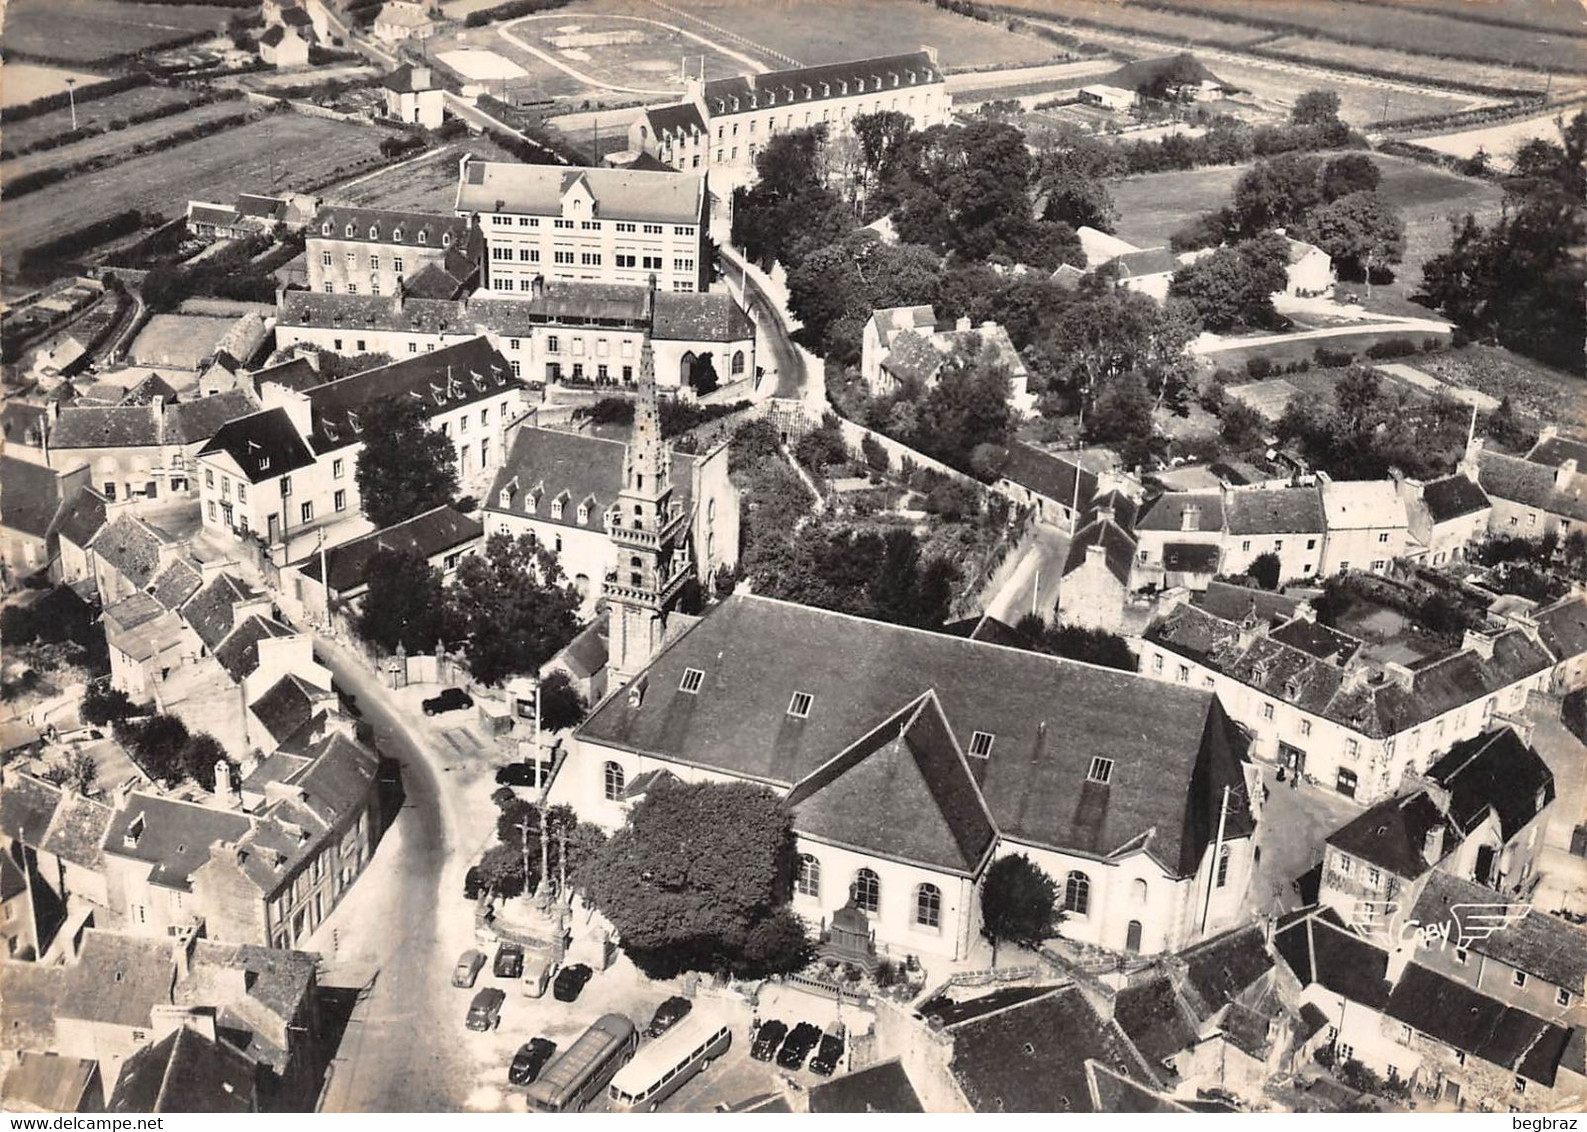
(1258, 367)
(1391, 348)
(1332, 359)
(104, 704)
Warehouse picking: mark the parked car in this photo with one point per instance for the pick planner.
(767, 1039)
(830, 1053)
(509, 961)
(468, 965)
(452, 699)
(529, 1060)
(516, 774)
(570, 981)
(484, 1013)
(668, 1015)
(797, 1046)
(473, 883)
(539, 966)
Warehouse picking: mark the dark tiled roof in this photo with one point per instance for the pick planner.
(1154, 1018)
(710, 317)
(106, 426)
(12, 880)
(239, 653)
(1393, 835)
(1557, 449)
(1452, 497)
(603, 304)
(29, 496)
(401, 81)
(298, 374)
(1278, 511)
(148, 389)
(30, 1003)
(131, 546)
(117, 979)
(1563, 627)
(1166, 512)
(252, 204)
(1117, 546)
(209, 612)
(1495, 771)
(1233, 602)
(1112, 1092)
(1545, 947)
(1224, 967)
(904, 790)
(77, 834)
(1319, 949)
(189, 422)
(23, 424)
(682, 118)
(912, 358)
(434, 532)
(812, 84)
(586, 654)
(1318, 640)
(186, 1072)
(176, 583)
(26, 806)
(883, 1087)
(175, 838)
(1173, 748)
(946, 1012)
(382, 226)
(1531, 484)
(1032, 1058)
(263, 445)
(582, 467)
(286, 706)
(1478, 1025)
(1051, 476)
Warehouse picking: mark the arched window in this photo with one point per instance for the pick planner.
(1223, 866)
(1077, 893)
(808, 881)
(928, 906)
(1139, 888)
(738, 361)
(616, 782)
(1132, 936)
(867, 891)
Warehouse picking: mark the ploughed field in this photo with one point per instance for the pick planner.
(87, 31)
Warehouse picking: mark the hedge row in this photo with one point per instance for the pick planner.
(1465, 119)
(154, 113)
(89, 93)
(111, 61)
(80, 240)
(1372, 72)
(43, 178)
(511, 11)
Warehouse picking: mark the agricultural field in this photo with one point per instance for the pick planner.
(100, 112)
(1276, 85)
(1403, 29)
(426, 185)
(1543, 15)
(86, 31)
(118, 141)
(1500, 140)
(283, 152)
(1124, 17)
(1425, 68)
(25, 82)
(831, 31)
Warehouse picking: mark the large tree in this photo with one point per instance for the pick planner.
(1349, 173)
(835, 288)
(1361, 231)
(405, 467)
(1234, 286)
(1019, 903)
(1274, 193)
(405, 603)
(513, 608)
(700, 878)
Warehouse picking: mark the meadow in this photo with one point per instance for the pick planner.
(87, 31)
(101, 113)
(1125, 18)
(1277, 85)
(25, 82)
(1415, 67)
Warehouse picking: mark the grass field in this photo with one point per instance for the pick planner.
(1424, 68)
(1405, 29)
(100, 112)
(1110, 13)
(178, 339)
(832, 31)
(83, 31)
(1544, 15)
(1278, 85)
(119, 141)
(281, 152)
(1500, 140)
(25, 82)
(429, 185)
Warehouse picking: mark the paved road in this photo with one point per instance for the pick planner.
(1034, 580)
(794, 377)
(1211, 344)
(400, 1053)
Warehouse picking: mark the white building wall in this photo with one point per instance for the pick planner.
(1366, 549)
(1299, 555)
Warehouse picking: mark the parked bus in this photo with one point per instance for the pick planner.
(572, 1080)
(662, 1067)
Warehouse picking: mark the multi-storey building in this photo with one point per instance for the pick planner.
(1544, 492)
(722, 124)
(371, 251)
(599, 225)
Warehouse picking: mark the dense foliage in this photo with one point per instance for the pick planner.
(405, 467)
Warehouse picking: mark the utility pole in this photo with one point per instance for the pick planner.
(523, 828)
(1217, 852)
(71, 97)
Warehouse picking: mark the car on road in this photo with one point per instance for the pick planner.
(529, 1060)
(473, 883)
(484, 1013)
(509, 961)
(668, 1015)
(517, 774)
(467, 969)
(830, 1053)
(570, 981)
(453, 699)
(767, 1039)
(797, 1046)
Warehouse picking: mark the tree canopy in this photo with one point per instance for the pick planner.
(1361, 231)
(405, 467)
(1019, 902)
(405, 603)
(512, 608)
(1233, 286)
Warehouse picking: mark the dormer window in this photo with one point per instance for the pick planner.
(693, 678)
(446, 240)
(374, 232)
(826, 90)
(556, 509)
(396, 233)
(325, 229)
(423, 237)
(134, 832)
(1100, 771)
(981, 744)
(584, 514)
(350, 231)
(799, 706)
(352, 422)
(264, 463)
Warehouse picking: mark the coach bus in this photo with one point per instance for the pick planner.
(582, 1072)
(662, 1067)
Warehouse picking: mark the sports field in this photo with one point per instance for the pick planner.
(426, 185)
(85, 31)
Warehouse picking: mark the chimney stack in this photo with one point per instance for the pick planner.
(1433, 845)
(1479, 643)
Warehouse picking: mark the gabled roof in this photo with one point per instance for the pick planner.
(1113, 1092)
(263, 445)
(1318, 948)
(712, 316)
(1155, 1019)
(12, 880)
(1453, 497)
(1392, 835)
(298, 373)
(680, 119)
(1275, 511)
(173, 837)
(1494, 772)
(912, 358)
(210, 611)
(286, 706)
(239, 653)
(77, 832)
(1032, 1057)
(188, 422)
(1048, 475)
(30, 1002)
(1224, 967)
(904, 791)
(186, 1072)
(117, 979)
(1167, 512)
(1480, 1026)
(582, 466)
(1147, 261)
(48, 1082)
(1563, 627)
(1545, 947)
(1555, 450)
(433, 532)
(1362, 505)
(148, 389)
(176, 583)
(1173, 748)
(1532, 484)
(1118, 549)
(29, 496)
(131, 546)
(385, 226)
(27, 805)
(401, 81)
(743, 93)
(105, 426)
(883, 1087)
(620, 194)
(1233, 602)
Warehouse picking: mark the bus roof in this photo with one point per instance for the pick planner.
(665, 1052)
(569, 1069)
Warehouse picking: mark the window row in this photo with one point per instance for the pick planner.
(866, 892)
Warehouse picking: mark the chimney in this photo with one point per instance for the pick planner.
(1096, 554)
(1433, 845)
(1105, 512)
(1190, 518)
(182, 951)
(421, 77)
(165, 1019)
(963, 324)
(931, 53)
(1479, 643)
(1564, 472)
(1400, 674)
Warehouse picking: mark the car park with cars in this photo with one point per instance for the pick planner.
(668, 1015)
(530, 1059)
(484, 1013)
(797, 1046)
(829, 1055)
(767, 1038)
(452, 699)
(509, 961)
(570, 981)
(467, 969)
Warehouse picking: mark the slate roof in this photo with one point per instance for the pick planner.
(175, 838)
(712, 316)
(1498, 772)
(401, 81)
(145, 426)
(603, 304)
(279, 984)
(186, 1072)
(148, 389)
(434, 532)
(1563, 627)
(585, 467)
(1233, 602)
(77, 832)
(906, 787)
(912, 358)
(945, 1012)
(813, 84)
(385, 226)
(264, 445)
(1531, 484)
(620, 194)
(1319, 949)
(1545, 947)
(883, 1087)
(131, 547)
(29, 496)
(176, 583)
(1047, 475)
(286, 706)
(1032, 1058)
(1173, 748)
(239, 653)
(1118, 549)
(30, 1001)
(48, 1082)
(27, 805)
(682, 118)
(586, 654)
(1453, 497)
(1191, 557)
(1276, 511)
(1478, 1025)
(1221, 969)
(1393, 835)
(1166, 512)
(189, 422)
(298, 373)
(1154, 1018)
(1555, 450)
(117, 978)
(210, 611)
(1113, 1092)
(12, 880)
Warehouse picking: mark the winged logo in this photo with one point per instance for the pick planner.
(1375, 920)
(1474, 922)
